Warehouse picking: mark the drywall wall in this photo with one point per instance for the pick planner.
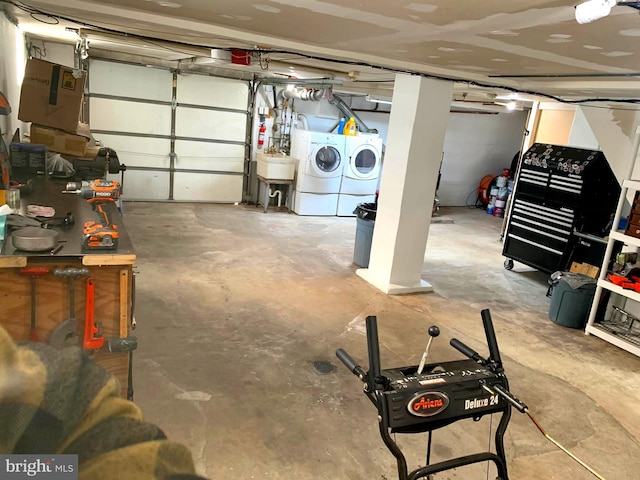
(581, 135)
(10, 73)
(614, 131)
(477, 145)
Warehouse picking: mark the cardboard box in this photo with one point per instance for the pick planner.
(51, 95)
(91, 152)
(61, 142)
(585, 269)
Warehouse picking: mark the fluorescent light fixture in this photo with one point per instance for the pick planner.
(369, 98)
(593, 10)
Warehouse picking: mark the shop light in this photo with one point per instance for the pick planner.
(369, 98)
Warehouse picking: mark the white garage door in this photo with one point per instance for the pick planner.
(186, 143)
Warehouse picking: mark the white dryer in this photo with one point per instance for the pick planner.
(361, 172)
(321, 162)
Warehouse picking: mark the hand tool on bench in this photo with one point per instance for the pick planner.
(33, 273)
(102, 234)
(92, 339)
(125, 342)
(62, 335)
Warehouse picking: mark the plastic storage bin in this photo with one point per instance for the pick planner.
(365, 218)
(571, 299)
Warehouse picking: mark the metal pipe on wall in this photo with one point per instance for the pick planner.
(311, 94)
(346, 110)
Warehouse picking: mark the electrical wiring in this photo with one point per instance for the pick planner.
(54, 20)
(264, 61)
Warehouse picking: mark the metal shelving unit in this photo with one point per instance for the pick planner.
(620, 334)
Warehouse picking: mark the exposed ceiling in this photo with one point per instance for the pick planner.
(527, 45)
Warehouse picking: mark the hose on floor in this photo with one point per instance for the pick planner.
(548, 437)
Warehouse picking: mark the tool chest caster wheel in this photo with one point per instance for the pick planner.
(508, 264)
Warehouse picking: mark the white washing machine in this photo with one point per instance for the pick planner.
(360, 174)
(320, 167)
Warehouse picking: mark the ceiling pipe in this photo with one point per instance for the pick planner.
(314, 95)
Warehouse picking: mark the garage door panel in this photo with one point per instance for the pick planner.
(209, 156)
(212, 91)
(214, 110)
(211, 124)
(134, 117)
(207, 187)
(139, 151)
(109, 78)
(145, 185)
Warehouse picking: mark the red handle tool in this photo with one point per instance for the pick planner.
(93, 338)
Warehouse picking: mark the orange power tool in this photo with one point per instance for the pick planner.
(102, 234)
(96, 190)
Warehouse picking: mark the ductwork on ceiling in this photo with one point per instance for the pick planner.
(348, 112)
(317, 94)
(312, 94)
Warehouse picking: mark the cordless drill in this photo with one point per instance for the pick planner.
(102, 234)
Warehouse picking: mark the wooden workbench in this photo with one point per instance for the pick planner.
(106, 267)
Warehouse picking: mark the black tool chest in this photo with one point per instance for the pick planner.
(560, 193)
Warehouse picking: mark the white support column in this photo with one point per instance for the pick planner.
(417, 126)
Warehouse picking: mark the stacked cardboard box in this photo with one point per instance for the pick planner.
(59, 141)
(51, 98)
(51, 95)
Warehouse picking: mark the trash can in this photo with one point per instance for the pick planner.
(365, 218)
(571, 298)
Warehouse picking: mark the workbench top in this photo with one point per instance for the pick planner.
(48, 192)
(111, 273)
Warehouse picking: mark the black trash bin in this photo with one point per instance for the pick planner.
(571, 298)
(365, 218)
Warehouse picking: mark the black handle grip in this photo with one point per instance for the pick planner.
(373, 345)
(348, 360)
(466, 351)
(492, 342)
(511, 398)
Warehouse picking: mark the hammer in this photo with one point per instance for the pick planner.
(67, 329)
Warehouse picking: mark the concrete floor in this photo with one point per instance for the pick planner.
(234, 306)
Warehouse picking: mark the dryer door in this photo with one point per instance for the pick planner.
(365, 163)
(326, 161)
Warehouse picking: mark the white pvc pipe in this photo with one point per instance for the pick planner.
(277, 193)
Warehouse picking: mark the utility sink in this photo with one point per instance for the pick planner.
(276, 166)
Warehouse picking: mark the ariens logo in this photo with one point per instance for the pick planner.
(428, 404)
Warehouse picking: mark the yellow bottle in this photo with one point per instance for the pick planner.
(350, 127)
